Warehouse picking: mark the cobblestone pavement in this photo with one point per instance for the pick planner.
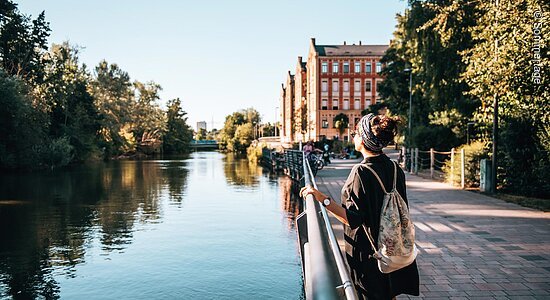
(472, 246)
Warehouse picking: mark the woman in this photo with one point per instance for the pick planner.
(362, 198)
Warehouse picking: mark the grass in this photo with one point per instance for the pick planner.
(536, 203)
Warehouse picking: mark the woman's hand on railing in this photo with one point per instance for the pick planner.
(309, 190)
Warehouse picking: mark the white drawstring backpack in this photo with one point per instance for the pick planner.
(396, 247)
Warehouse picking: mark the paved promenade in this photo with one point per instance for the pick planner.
(471, 246)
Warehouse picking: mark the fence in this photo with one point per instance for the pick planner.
(431, 162)
(325, 273)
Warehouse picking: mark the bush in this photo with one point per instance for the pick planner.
(524, 162)
(254, 151)
(437, 137)
(57, 153)
(473, 154)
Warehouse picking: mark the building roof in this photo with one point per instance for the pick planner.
(351, 50)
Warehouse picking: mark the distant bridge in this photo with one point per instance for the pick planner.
(204, 144)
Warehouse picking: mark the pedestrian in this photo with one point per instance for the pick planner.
(362, 197)
(308, 149)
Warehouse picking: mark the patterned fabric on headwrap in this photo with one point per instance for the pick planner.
(370, 141)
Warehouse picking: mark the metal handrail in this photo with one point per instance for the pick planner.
(322, 262)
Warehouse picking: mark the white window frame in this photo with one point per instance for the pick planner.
(335, 101)
(357, 67)
(346, 104)
(369, 82)
(378, 67)
(368, 67)
(346, 86)
(335, 67)
(357, 86)
(324, 67)
(357, 104)
(345, 64)
(324, 86)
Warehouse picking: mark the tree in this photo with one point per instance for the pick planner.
(23, 130)
(341, 122)
(179, 134)
(238, 130)
(22, 42)
(73, 114)
(201, 134)
(111, 88)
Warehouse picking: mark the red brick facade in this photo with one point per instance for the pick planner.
(335, 80)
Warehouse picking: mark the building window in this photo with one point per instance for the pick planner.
(377, 87)
(324, 104)
(346, 67)
(357, 67)
(368, 68)
(357, 86)
(378, 67)
(346, 104)
(346, 86)
(335, 67)
(368, 103)
(324, 123)
(324, 86)
(357, 104)
(368, 87)
(335, 86)
(335, 104)
(324, 67)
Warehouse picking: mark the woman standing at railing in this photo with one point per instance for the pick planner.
(362, 197)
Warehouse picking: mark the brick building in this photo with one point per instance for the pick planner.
(335, 79)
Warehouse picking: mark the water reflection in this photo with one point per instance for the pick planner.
(240, 171)
(291, 202)
(48, 220)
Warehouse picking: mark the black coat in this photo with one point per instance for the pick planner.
(363, 188)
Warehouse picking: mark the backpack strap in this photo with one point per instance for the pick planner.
(380, 180)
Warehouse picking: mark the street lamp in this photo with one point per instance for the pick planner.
(276, 118)
(409, 70)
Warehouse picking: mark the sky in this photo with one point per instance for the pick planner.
(216, 56)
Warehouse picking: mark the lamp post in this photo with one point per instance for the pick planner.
(276, 118)
(409, 70)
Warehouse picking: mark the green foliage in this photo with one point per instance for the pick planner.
(71, 107)
(524, 159)
(58, 153)
(53, 111)
(201, 134)
(254, 151)
(440, 138)
(238, 130)
(341, 122)
(473, 153)
(179, 134)
(463, 55)
(22, 41)
(22, 128)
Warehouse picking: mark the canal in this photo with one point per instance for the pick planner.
(209, 226)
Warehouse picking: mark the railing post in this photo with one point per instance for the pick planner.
(462, 167)
(411, 161)
(416, 161)
(452, 166)
(432, 158)
(404, 155)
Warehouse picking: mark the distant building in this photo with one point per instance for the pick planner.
(201, 125)
(335, 79)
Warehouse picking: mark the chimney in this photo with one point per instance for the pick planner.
(299, 59)
(344, 43)
(312, 41)
(359, 43)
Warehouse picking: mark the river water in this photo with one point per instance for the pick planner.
(209, 226)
